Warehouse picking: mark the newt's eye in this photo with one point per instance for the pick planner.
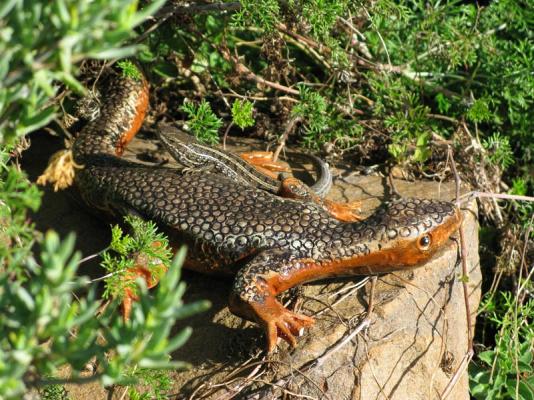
(424, 242)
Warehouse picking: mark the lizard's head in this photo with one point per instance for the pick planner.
(180, 145)
(169, 134)
(409, 232)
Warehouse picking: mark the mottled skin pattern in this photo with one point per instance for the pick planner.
(269, 243)
(112, 130)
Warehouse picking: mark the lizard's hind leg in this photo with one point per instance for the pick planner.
(263, 162)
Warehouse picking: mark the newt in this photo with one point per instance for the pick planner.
(269, 243)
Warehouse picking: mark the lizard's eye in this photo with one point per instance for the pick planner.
(424, 242)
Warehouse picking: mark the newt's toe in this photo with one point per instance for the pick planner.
(347, 212)
(288, 325)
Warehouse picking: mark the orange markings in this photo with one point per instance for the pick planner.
(142, 270)
(140, 112)
(262, 161)
(400, 253)
(346, 212)
(274, 318)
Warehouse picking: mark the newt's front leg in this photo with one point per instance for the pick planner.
(254, 297)
(263, 161)
(148, 268)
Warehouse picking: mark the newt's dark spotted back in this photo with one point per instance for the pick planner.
(225, 219)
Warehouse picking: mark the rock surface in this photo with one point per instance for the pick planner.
(414, 341)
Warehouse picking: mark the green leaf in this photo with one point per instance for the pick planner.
(202, 121)
(487, 356)
(526, 392)
(188, 310)
(479, 111)
(149, 9)
(242, 113)
(7, 7)
(25, 297)
(129, 69)
(443, 103)
(37, 120)
(177, 365)
(166, 70)
(118, 52)
(178, 340)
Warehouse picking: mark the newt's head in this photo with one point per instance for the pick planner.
(408, 232)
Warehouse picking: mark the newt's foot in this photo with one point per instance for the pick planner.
(280, 322)
(253, 296)
(346, 212)
(148, 268)
(130, 295)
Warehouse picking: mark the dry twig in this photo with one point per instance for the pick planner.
(465, 277)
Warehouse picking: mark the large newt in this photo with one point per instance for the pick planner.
(268, 242)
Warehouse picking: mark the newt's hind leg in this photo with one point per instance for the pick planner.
(254, 296)
(148, 268)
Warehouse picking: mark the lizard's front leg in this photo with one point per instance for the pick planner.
(254, 297)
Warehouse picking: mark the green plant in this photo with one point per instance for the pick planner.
(499, 150)
(17, 234)
(125, 250)
(55, 392)
(312, 108)
(42, 310)
(507, 370)
(202, 121)
(480, 111)
(242, 113)
(523, 210)
(157, 381)
(129, 69)
(264, 14)
(322, 123)
(369, 80)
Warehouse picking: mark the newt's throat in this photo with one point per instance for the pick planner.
(373, 258)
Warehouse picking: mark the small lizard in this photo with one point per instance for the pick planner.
(188, 151)
(201, 157)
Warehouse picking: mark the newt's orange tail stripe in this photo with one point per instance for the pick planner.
(137, 121)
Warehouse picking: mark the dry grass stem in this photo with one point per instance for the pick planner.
(60, 170)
